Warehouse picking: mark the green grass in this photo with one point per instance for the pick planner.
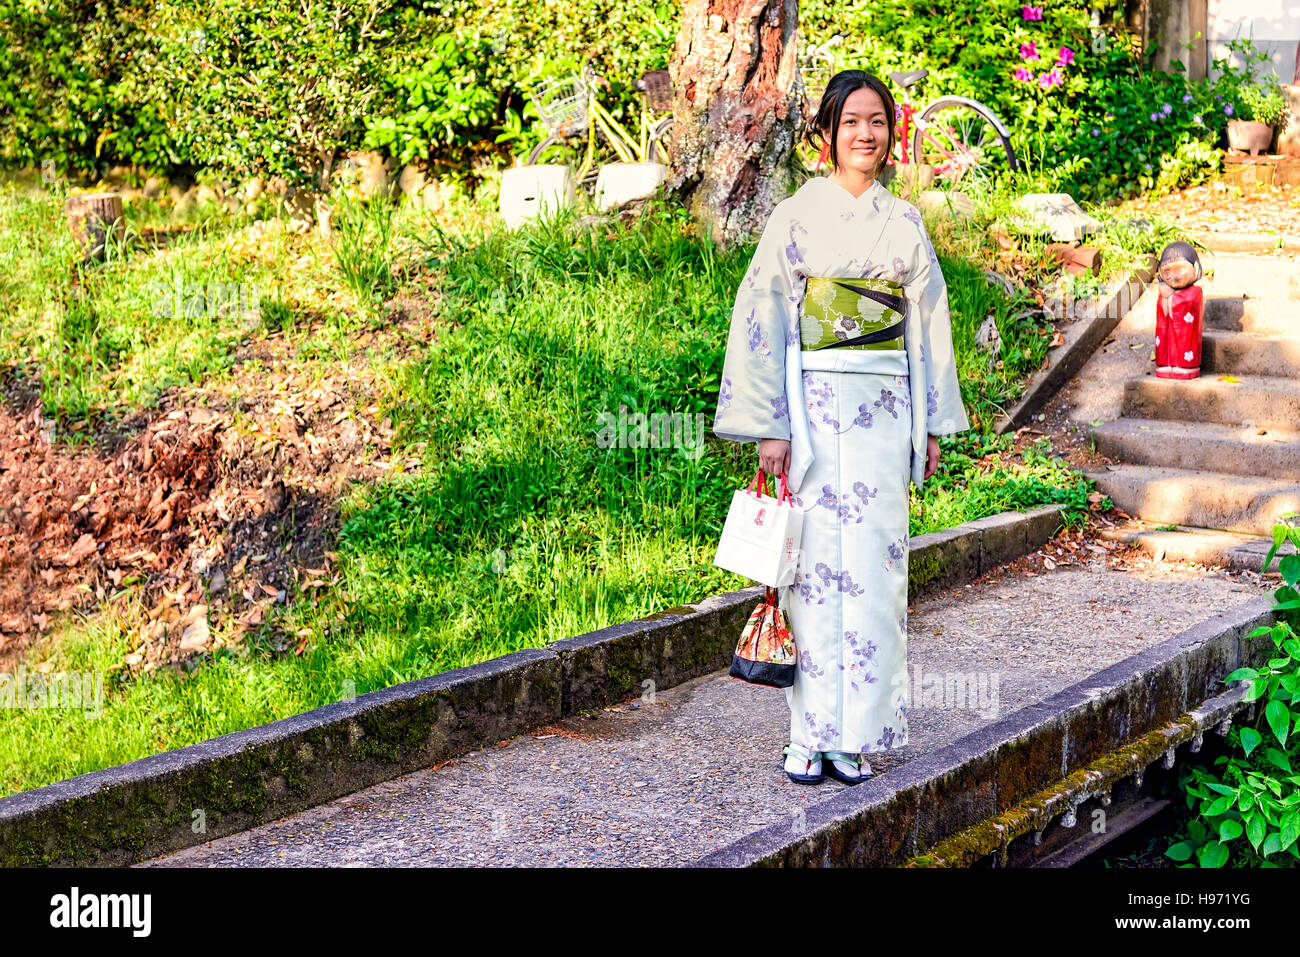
(106, 339)
(520, 529)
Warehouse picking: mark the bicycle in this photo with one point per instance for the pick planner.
(958, 138)
(583, 134)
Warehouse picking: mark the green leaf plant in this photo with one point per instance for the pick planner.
(1247, 811)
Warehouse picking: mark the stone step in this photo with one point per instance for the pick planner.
(1262, 401)
(1207, 446)
(1218, 500)
(1209, 547)
(1241, 353)
(1267, 316)
(1255, 275)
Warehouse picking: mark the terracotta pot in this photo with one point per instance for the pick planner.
(1249, 136)
(1288, 138)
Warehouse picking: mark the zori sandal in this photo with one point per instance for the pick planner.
(802, 765)
(849, 768)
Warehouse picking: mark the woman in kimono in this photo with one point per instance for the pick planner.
(840, 365)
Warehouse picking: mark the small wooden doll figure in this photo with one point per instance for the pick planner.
(1179, 311)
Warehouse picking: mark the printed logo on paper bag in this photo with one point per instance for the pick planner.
(758, 519)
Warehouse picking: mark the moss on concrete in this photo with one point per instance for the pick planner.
(1038, 811)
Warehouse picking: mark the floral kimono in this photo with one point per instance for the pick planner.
(830, 271)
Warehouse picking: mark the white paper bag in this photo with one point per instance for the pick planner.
(760, 539)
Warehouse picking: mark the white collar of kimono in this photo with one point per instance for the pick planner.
(826, 185)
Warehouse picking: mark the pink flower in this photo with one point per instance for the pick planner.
(1028, 51)
(1031, 13)
(1051, 78)
(1064, 57)
(1024, 74)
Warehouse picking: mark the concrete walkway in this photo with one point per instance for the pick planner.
(668, 781)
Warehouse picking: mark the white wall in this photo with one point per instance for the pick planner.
(1272, 25)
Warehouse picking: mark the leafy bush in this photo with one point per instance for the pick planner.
(75, 99)
(279, 89)
(1249, 811)
(270, 86)
(444, 98)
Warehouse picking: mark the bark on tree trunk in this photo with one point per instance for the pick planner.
(734, 74)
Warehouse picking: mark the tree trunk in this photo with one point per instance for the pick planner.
(734, 98)
(93, 217)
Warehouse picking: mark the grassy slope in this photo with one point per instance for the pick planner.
(520, 529)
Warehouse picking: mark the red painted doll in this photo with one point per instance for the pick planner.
(1179, 311)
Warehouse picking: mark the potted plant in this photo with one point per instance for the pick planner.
(1261, 108)
(1251, 107)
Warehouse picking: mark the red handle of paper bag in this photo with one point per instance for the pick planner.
(760, 482)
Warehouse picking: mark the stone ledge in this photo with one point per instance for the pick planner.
(137, 810)
(123, 814)
(992, 837)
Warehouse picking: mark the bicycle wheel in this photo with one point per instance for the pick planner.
(964, 141)
(660, 137)
(565, 151)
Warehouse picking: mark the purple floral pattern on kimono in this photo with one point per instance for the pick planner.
(819, 395)
(824, 733)
(808, 666)
(807, 590)
(758, 339)
(897, 549)
(843, 579)
(845, 508)
(780, 406)
(862, 420)
(724, 394)
(888, 402)
(860, 654)
(932, 400)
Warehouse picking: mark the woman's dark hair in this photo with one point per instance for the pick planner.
(832, 107)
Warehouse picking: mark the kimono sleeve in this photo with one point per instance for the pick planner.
(752, 401)
(928, 293)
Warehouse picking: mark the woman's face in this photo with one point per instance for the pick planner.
(863, 136)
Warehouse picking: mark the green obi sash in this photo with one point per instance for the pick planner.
(852, 313)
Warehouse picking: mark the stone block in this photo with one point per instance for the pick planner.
(1003, 538)
(945, 557)
(1077, 259)
(1058, 215)
(611, 665)
(953, 800)
(946, 203)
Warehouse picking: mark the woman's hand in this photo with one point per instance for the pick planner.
(774, 456)
(931, 455)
